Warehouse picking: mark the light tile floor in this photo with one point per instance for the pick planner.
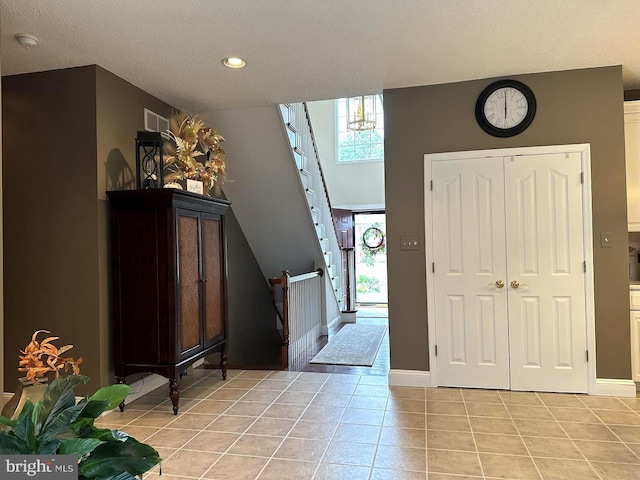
(327, 426)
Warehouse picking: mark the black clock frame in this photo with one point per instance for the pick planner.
(505, 132)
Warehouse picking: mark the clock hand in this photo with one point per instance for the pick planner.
(505, 104)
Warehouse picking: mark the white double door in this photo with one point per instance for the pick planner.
(509, 284)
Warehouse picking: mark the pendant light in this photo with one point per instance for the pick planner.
(361, 113)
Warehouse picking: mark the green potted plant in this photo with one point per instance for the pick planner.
(56, 424)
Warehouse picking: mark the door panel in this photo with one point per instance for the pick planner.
(545, 254)
(517, 219)
(469, 246)
(212, 260)
(189, 281)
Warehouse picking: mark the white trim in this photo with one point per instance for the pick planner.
(145, 385)
(348, 317)
(330, 325)
(409, 378)
(613, 388)
(584, 150)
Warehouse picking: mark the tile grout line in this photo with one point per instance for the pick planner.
(567, 434)
(473, 435)
(324, 451)
(611, 430)
(159, 429)
(426, 434)
(520, 435)
(253, 423)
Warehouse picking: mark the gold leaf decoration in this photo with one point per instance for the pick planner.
(190, 141)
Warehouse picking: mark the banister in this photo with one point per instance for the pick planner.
(317, 155)
(305, 276)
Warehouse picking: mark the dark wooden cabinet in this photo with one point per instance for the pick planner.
(169, 309)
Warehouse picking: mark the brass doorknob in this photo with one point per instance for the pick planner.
(497, 284)
(517, 284)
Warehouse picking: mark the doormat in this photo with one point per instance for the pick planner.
(353, 345)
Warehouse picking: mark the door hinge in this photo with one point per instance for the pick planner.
(584, 266)
(436, 350)
(431, 182)
(582, 177)
(587, 352)
(433, 267)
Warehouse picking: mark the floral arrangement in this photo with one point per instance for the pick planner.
(189, 140)
(40, 358)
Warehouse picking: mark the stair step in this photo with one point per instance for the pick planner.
(304, 172)
(309, 191)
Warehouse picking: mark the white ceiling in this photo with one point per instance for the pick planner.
(316, 49)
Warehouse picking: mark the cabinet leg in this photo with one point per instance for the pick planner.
(174, 394)
(120, 380)
(223, 361)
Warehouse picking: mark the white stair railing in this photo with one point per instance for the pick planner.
(299, 309)
(297, 123)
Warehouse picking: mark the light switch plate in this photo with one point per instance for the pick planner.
(409, 243)
(605, 239)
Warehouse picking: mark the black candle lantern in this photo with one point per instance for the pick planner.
(149, 162)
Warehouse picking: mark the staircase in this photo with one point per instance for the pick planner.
(278, 196)
(297, 123)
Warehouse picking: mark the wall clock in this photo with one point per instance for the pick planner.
(505, 108)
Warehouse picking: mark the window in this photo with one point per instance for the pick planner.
(364, 146)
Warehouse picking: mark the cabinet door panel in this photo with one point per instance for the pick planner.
(188, 282)
(212, 258)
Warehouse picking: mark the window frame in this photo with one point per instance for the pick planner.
(342, 120)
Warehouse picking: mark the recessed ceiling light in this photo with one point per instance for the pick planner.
(26, 40)
(233, 62)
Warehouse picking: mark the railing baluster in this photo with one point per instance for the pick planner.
(301, 312)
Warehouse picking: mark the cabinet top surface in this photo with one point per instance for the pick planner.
(162, 195)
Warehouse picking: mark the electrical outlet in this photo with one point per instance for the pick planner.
(409, 243)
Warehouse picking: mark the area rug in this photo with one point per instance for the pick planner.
(353, 345)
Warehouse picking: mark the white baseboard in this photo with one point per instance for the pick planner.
(409, 378)
(612, 387)
(330, 325)
(348, 317)
(145, 385)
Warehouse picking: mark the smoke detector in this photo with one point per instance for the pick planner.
(26, 40)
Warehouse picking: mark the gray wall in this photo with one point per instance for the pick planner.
(262, 184)
(253, 339)
(119, 115)
(50, 236)
(69, 137)
(579, 106)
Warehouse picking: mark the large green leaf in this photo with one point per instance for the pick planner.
(113, 394)
(93, 408)
(59, 424)
(122, 476)
(48, 447)
(104, 434)
(7, 421)
(114, 458)
(24, 426)
(10, 444)
(57, 397)
(79, 446)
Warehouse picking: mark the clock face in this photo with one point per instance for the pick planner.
(505, 108)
